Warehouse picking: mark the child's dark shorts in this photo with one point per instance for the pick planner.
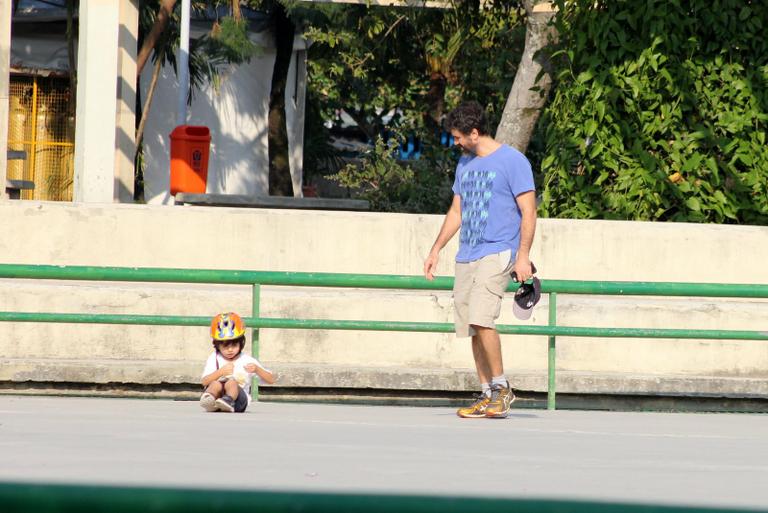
(241, 403)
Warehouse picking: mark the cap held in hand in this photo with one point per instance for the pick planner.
(526, 296)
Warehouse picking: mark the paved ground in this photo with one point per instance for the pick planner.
(700, 459)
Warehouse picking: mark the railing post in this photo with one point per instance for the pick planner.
(255, 314)
(551, 352)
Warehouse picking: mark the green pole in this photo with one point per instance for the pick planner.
(255, 313)
(551, 352)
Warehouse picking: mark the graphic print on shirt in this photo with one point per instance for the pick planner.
(476, 197)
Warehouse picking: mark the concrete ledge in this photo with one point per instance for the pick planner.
(463, 380)
(44, 370)
(240, 200)
(302, 376)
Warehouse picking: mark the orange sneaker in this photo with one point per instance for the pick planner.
(476, 409)
(500, 402)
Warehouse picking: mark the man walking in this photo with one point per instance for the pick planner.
(494, 204)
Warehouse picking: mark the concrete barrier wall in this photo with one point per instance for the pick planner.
(354, 242)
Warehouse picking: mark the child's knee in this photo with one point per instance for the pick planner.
(214, 388)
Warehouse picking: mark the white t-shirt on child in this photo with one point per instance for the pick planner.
(215, 361)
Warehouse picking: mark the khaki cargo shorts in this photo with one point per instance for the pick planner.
(477, 292)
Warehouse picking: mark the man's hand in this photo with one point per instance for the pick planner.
(451, 225)
(523, 268)
(430, 264)
(527, 204)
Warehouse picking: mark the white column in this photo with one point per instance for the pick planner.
(5, 61)
(183, 64)
(96, 101)
(125, 133)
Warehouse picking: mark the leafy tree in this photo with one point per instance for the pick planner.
(283, 29)
(164, 12)
(533, 79)
(392, 185)
(284, 17)
(364, 60)
(396, 70)
(660, 112)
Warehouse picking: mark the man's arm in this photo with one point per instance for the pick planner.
(451, 225)
(527, 204)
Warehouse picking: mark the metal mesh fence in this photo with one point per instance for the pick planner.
(42, 126)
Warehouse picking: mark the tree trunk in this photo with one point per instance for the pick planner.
(524, 105)
(280, 183)
(435, 101)
(147, 104)
(161, 21)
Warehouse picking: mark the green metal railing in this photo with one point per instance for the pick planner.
(255, 279)
(37, 498)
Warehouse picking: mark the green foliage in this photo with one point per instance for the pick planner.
(320, 156)
(486, 64)
(376, 61)
(232, 38)
(365, 61)
(379, 64)
(209, 53)
(391, 185)
(673, 97)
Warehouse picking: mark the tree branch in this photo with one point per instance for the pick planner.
(147, 105)
(161, 21)
(523, 103)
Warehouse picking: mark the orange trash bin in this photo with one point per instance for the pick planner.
(190, 146)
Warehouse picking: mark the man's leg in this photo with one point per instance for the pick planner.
(485, 306)
(486, 347)
(477, 408)
(463, 285)
(501, 393)
(481, 365)
(481, 362)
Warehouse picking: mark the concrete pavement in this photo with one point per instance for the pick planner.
(661, 458)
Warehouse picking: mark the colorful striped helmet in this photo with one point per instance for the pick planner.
(227, 326)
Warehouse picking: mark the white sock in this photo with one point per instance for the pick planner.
(499, 381)
(486, 389)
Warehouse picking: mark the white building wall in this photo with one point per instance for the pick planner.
(236, 114)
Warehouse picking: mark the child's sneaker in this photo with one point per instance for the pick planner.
(208, 402)
(225, 403)
(501, 400)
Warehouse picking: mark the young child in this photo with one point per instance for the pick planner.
(228, 372)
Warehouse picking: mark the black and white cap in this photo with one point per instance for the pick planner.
(526, 297)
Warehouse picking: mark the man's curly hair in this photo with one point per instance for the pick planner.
(466, 117)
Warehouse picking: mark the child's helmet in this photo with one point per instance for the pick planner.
(227, 326)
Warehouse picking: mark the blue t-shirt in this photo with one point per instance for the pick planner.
(490, 217)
